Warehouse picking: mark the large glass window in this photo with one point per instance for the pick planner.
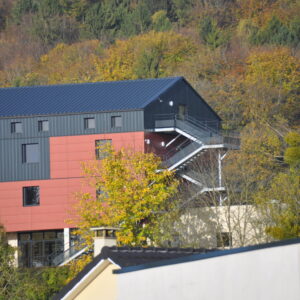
(16, 127)
(116, 121)
(40, 248)
(31, 196)
(30, 153)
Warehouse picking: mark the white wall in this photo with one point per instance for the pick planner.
(271, 273)
(12, 239)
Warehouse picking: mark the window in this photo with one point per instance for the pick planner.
(224, 239)
(39, 248)
(89, 123)
(16, 127)
(100, 148)
(116, 121)
(182, 112)
(43, 125)
(31, 196)
(30, 153)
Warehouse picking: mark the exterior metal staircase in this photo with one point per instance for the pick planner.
(62, 258)
(200, 136)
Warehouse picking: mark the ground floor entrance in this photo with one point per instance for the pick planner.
(39, 248)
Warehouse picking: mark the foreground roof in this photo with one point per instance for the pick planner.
(133, 256)
(83, 97)
(208, 255)
(129, 257)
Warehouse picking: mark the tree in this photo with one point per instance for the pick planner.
(277, 33)
(160, 21)
(211, 34)
(65, 64)
(152, 54)
(51, 26)
(7, 269)
(133, 194)
(279, 202)
(272, 85)
(292, 153)
(22, 7)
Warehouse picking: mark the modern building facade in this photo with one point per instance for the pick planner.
(47, 131)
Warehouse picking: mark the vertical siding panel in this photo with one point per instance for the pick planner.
(12, 168)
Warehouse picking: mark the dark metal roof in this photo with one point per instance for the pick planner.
(82, 98)
(207, 255)
(128, 257)
(133, 256)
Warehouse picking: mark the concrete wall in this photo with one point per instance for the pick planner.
(271, 273)
(199, 226)
(12, 239)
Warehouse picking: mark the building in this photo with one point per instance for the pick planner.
(266, 271)
(46, 131)
(97, 278)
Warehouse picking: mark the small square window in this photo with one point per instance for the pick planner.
(16, 127)
(43, 125)
(31, 196)
(89, 123)
(116, 121)
(100, 148)
(30, 153)
(224, 239)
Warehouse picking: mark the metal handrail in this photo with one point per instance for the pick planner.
(204, 133)
(205, 124)
(174, 150)
(209, 126)
(56, 258)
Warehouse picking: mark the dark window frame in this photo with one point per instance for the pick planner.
(14, 127)
(25, 153)
(116, 121)
(87, 124)
(25, 195)
(41, 125)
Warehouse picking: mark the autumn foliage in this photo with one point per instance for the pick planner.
(241, 56)
(132, 194)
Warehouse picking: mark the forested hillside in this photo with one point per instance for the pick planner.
(242, 57)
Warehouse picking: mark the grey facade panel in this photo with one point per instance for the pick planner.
(181, 93)
(12, 168)
(66, 125)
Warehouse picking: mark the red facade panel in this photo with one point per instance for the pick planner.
(57, 193)
(67, 152)
(56, 198)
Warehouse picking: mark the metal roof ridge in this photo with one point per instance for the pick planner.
(88, 83)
